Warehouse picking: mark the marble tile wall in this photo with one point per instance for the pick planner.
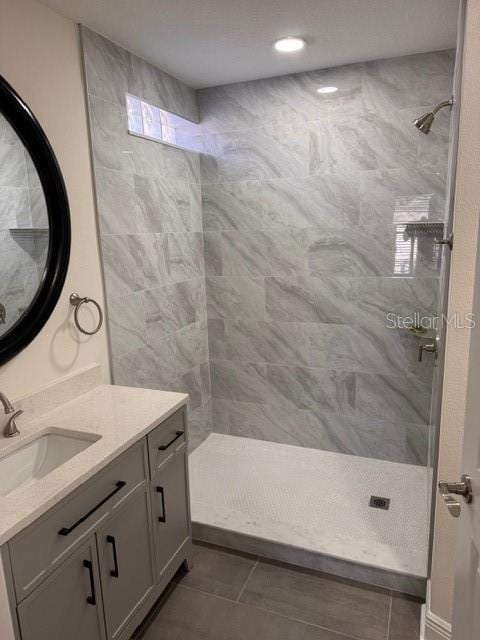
(22, 206)
(305, 198)
(150, 221)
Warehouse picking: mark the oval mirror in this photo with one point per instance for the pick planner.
(34, 225)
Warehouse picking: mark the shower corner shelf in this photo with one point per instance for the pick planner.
(28, 231)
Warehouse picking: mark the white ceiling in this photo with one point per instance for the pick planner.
(211, 42)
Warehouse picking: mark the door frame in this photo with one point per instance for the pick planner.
(438, 380)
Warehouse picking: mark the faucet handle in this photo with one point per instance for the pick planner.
(11, 428)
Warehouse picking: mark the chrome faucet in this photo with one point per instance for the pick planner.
(10, 428)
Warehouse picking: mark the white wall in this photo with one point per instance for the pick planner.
(40, 58)
(466, 221)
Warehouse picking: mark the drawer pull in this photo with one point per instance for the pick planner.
(66, 530)
(91, 599)
(114, 572)
(163, 517)
(164, 447)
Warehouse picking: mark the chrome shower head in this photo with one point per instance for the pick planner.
(424, 122)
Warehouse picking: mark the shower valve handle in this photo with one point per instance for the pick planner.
(430, 348)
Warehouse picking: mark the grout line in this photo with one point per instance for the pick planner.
(340, 634)
(247, 580)
(389, 616)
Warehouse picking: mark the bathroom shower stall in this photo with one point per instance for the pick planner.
(278, 258)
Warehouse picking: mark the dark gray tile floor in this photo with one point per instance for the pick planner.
(233, 596)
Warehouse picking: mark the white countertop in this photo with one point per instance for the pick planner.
(120, 415)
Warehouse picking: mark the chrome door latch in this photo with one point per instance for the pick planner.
(463, 488)
(429, 348)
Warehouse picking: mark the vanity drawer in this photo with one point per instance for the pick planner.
(166, 439)
(43, 545)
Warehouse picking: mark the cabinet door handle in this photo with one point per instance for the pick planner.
(164, 447)
(114, 572)
(163, 517)
(64, 531)
(91, 599)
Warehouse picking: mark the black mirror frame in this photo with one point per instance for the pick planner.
(28, 129)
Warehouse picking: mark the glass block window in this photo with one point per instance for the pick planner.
(145, 119)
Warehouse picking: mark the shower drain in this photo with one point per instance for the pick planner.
(379, 503)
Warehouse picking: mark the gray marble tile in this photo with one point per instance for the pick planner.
(126, 322)
(106, 67)
(38, 208)
(184, 256)
(273, 423)
(190, 382)
(192, 346)
(399, 195)
(288, 98)
(13, 171)
(349, 253)
(212, 249)
(261, 341)
(123, 264)
(309, 299)
(161, 89)
(111, 144)
(281, 252)
(166, 205)
(314, 202)
(393, 397)
(255, 154)
(180, 164)
(433, 149)
(354, 435)
(360, 143)
(151, 367)
(406, 297)
(155, 251)
(199, 425)
(235, 297)
(116, 202)
(318, 599)
(232, 205)
(14, 207)
(220, 415)
(216, 338)
(147, 157)
(306, 388)
(241, 381)
(419, 79)
(416, 444)
(368, 347)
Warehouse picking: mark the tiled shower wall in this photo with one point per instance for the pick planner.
(305, 200)
(305, 203)
(150, 220)
(23, 227)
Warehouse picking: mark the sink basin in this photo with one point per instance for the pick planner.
(39, 457)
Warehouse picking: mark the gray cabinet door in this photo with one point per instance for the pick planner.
(170, 509)
(68, 603)
(125, 559)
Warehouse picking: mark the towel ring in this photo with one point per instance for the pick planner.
(77, 301)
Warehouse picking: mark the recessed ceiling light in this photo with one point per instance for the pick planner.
(289, 45)
(327, 89)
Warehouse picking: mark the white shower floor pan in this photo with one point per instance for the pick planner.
(314, 501)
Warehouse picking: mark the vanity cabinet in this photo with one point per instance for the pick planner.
(92, 566)
(171, 525)
(66, 604)
(124, 545)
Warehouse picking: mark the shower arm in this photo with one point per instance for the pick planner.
(445, 103)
